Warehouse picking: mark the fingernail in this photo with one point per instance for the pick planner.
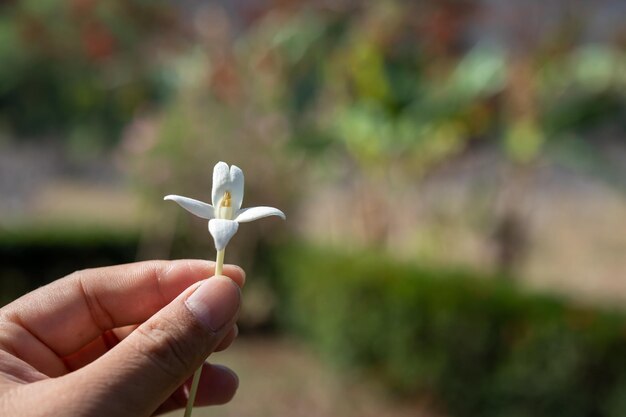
(215, 303)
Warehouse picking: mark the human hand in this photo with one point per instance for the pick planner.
(119, 341)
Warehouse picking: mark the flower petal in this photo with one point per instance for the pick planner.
(225, 179)
(254, 213)
(222, 231)
(196, 207)
(221, 178)
(236, 191)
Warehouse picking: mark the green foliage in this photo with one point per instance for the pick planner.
(77, 69)
(377, 85)
(483, 347)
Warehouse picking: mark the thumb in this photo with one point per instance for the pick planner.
(143, 370)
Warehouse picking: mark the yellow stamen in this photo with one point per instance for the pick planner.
(226, 200)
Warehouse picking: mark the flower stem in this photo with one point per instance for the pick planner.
(219, 267)
(219, 262)
(192, 391)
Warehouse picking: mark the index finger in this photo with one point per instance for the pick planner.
(69, 313)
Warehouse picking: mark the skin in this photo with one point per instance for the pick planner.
(117, 341)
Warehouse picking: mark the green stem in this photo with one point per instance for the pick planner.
(219, 262)
(192, 391)
(219, 267)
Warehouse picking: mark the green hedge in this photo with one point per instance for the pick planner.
(480, 345)
(33, 256)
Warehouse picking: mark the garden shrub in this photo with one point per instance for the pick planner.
(481, 345)
(34, 256)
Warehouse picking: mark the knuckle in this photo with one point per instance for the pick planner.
(168, 348)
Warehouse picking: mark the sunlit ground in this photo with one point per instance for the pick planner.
(282, 378)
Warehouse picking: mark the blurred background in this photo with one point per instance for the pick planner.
(453, 174)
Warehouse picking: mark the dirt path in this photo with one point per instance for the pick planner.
(281, 378)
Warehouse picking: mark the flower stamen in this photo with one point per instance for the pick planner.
(226, 200)
(225, 209)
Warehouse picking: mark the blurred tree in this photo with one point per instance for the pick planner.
(381, 95)
(79, 70)
(225, 108)
(398, 91)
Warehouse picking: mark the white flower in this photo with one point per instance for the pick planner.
(225, 213)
